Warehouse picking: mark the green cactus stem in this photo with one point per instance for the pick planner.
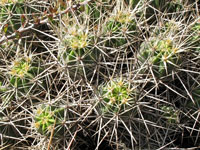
(22, 73)
(77, 52)
(117, 26)
(117, 95)
(47, 118)
(161, 55)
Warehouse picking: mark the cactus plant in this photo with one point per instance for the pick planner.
(117, 95)
(76, 46)
(22, 73)
(120, 23)
(77, 52)
(117, 104)
(161, 54)
(49, 117)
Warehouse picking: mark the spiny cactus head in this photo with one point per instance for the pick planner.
(73, 44)
(76, 39)
(76, 50)
(161, 54)
(22, 71)
(120, 19)
(117, 94)
(123, 17)
(117, 27)
(20, 67)
(19, 71)
(47, 118)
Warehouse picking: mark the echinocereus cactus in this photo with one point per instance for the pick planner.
(49, 117)
(117, 106)
(118, 28)
(159, 54)
(78, 53)
(117, 95)
(19, 71)
(22, 72)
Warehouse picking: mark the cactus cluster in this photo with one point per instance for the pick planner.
(106, 74)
